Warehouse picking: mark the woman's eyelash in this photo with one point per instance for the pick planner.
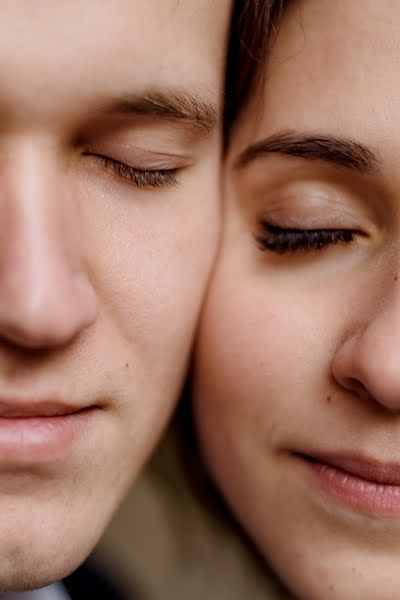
(283, 240)
(142, 178)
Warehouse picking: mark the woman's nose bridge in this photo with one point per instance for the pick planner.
(383, 328)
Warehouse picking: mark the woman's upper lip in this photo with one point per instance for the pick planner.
(20, 408)
(371, 469)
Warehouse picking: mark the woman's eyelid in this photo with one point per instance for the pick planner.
(312, 212)
(327, 220)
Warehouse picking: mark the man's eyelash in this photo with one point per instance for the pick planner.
(283, 240)
(142, 178)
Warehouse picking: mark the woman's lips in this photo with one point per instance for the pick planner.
(368, 486)
(39, 433)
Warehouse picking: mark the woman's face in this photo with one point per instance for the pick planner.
(297, 381)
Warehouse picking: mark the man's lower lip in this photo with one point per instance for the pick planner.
(39, 440)
(364, 496)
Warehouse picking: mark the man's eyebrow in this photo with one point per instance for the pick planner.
(337, 151)
(190, 109)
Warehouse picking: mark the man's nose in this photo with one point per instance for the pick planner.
(368, 361)
(46, 297)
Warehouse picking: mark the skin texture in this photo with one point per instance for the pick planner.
(299, 351)
(101, 280)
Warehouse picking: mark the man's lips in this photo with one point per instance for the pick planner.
(369, 469)
(41, 431)
(16, 408)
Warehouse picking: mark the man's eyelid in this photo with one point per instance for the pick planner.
(159, 142)
(140, 158)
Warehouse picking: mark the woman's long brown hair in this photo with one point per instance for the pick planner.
(252, 24)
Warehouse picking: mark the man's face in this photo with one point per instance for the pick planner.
(298, 374)
(109, 148)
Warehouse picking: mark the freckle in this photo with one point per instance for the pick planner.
(328, 399)
(331, 588)
(396, 278)
(126, 365)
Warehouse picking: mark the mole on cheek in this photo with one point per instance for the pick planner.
(328, 399)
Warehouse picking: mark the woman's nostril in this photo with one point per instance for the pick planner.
(352, 384)
(355, 385)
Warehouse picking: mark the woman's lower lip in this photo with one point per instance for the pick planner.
(26, 441)
(365, 496)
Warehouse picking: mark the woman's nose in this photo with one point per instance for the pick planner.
(46, 297)
(368, 361)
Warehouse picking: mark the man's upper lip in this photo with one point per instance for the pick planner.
(367, 468)
(17, 408)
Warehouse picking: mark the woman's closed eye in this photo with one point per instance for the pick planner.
(282, 240)
(140, 177)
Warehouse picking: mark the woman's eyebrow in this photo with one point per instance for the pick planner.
(189, 109)
(337, 151)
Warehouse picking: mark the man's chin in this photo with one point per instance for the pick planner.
(33, 563)
(45, 533)
(20, 577)
(25, 581)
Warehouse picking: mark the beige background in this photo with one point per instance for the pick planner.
(171, 540)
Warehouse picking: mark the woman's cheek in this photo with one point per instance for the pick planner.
(250, 331)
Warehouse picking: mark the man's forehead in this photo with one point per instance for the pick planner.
(26, 15)
(128, 26)
(70, 51)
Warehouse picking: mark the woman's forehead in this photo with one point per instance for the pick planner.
(332, 70)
